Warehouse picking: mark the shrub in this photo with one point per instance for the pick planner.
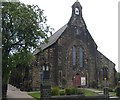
(79, 91)
(70, 90)
(55, 91)
(110, 90)
(73, 90)
(62, 92)
(117, 90)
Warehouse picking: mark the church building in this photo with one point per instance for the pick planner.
(72, 56)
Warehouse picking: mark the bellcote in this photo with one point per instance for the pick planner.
(76, 9)
(76, 17)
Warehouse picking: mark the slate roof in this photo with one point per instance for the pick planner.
(52, 39)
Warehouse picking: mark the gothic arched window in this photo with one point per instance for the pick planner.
(74, 55)
(77, 31)
(81, 57)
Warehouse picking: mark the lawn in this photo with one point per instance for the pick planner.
(112, 94)
(36, 95)
(88, 92)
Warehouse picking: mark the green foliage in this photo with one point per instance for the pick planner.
(55, 91)
(70, 90)
(73, 91)
(89, 93)
(110, 90)
(112, 94)
(62, 92)
(36, 95)
(23, 27)
(117, 90)
(25, 58)
(79, 91)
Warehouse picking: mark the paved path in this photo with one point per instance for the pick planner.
(13, 93)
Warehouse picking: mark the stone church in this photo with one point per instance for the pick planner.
(72, 56)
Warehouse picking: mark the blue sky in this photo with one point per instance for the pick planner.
(101, 17)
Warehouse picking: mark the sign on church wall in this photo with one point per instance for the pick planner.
(83, 81)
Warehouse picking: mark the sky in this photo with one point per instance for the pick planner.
(101, 18)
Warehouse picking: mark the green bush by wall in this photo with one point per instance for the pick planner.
(117, 90)
(55, 91)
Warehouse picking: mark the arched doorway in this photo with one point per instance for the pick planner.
(79, 80)
(76, 80)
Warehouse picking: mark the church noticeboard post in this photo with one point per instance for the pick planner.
(83, 81)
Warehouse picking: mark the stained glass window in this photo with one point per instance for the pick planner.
(81, 57)
(77, 31)
(74, 55)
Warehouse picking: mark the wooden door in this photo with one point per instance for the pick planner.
(76, 80)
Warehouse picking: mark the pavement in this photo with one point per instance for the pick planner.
(14, 93)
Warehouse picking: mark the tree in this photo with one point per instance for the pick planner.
(23, 27)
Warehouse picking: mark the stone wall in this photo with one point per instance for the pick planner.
(36, 73)
(104, 62)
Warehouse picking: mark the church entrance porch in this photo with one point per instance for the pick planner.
(79, 80)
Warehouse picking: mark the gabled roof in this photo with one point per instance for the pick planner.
(105, 57)
(51, 39)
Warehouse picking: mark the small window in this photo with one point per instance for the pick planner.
(60, 75)
(76, 11)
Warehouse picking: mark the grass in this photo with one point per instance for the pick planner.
(36, 95)
(112, 93)
(88, 92)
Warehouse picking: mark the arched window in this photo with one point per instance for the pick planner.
(81, 57)
(60, 75)
(105, 73)
(77, 31)
(74, 55)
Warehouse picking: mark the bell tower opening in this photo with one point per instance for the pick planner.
(76, 11)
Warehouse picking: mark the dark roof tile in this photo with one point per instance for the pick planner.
(52, 39)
